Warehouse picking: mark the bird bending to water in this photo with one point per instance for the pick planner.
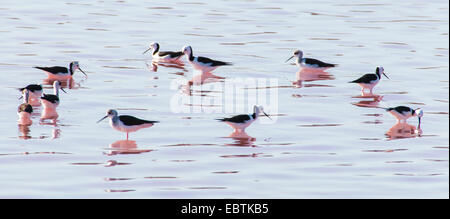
(402, 113)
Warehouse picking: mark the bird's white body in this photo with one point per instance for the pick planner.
(401, 117)
(202, 67)
(202, 64)
(369, 86)
(240, 127)
(61, 76)
(48, 104)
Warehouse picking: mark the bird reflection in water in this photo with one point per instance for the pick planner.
(308, 75)
(125, 147)
(241, 138)
(49, 113)
(373, 101)
(204, 78)
(198, 80)
(403, 130)
(153, 65)
(25, 131)
(69, 83)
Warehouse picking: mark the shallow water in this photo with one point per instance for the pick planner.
(325, 140)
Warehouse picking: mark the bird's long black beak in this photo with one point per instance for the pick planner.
(420, 121)
(146, 51)
(266, 115)
(289, 59)
(102, 119)
(63, 90)
(386, 76)
(82, 72)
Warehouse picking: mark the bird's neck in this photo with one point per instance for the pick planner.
(299, 60)
(56, 91)
(114, 119)
(191, 56)
(71, 68)
(156, 50)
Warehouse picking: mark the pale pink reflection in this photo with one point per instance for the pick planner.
(49, 113)
(204, 78)
(125, 147)
(25, 131)
(373, 102)
(178, 64)
(34, 101)
(24, 119)
(198, 80)
(66, 83)
(403, 130)
(241, 138)
(308, 75)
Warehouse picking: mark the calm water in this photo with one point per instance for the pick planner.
(326, 140)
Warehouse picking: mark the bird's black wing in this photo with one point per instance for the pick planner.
(318, 63)
(54, 69)
(401, 109)
(366, 79)
(213, 62)
(51, 98)
(171, 54)
(236, 119)
(131, 120)
(32, 87)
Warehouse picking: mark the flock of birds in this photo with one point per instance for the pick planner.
(33, 94)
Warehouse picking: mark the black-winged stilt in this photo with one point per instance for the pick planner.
(241, 122)
(157, 55)
(369, 81)
(402, 113)
(62, 73)
(203, 64)
(309, 63)
(52, 100)
(125, 123)
(25, 109)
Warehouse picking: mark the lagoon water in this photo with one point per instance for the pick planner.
(325, 139)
